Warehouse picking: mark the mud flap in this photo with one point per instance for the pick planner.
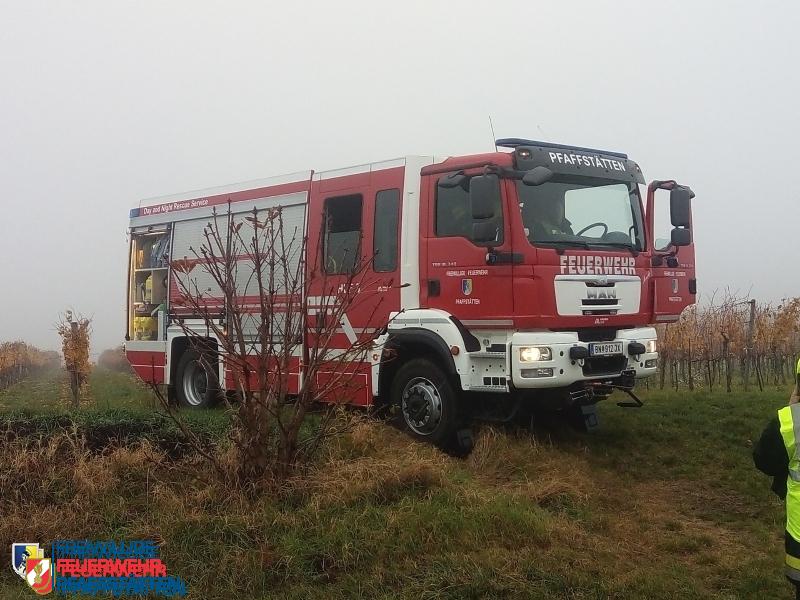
(591, 419)
(465, 441)
(583, 417)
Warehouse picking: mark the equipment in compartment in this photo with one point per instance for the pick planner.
(145, 324)
(149, 284)
(152, 251)
(159, 252)
(147, 289)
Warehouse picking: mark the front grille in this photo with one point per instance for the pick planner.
(597, 334)
(600, 302)
(604, 365)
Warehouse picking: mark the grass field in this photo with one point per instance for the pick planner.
(662, 502)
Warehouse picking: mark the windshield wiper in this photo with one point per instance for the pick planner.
(560, 245)
(580, 243)
(631, 249)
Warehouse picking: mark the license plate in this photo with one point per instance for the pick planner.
(605, 348)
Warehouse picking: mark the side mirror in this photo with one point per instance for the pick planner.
(537, 176)
(681, 237)
(484, 232)
(680, 207)
(484, 196)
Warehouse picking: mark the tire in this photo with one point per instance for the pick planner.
(426, 402)
(194, 386)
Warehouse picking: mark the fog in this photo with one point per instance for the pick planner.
(106, 103)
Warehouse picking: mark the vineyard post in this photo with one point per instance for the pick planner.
(673, 373)
(726, 352)
(751, 325)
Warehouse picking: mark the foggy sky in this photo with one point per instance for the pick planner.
(103, 103)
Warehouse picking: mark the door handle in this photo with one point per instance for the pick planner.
(504, 258)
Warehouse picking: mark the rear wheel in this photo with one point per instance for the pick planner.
(426, 401)
(195, 387)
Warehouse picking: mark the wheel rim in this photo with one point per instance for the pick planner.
(422, 406)
(195, 383)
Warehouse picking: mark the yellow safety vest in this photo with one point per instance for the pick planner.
(789, 418)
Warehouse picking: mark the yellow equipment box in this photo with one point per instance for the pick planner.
(145, 328)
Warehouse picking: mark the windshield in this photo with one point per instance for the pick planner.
(582, 211)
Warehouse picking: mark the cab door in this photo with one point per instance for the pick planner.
(669, 222)
(466, 265)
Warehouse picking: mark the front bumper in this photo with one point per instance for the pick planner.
(561, 370)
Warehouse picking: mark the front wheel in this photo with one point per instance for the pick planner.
(426, 401)
(194, 386)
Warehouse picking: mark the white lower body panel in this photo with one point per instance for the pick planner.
(563, 371)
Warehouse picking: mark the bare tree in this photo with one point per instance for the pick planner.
(254, 301)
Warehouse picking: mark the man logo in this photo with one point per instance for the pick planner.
(466, 287)
(601, 293)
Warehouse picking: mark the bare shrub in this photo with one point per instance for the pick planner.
(268, 311)
(75, 332)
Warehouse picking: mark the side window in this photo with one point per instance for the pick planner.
(662, 224)
(342, 243)
(454, 214)
(387, 215)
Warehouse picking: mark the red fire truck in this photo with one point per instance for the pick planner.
(528, 277)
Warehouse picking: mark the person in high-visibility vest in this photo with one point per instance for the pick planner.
(777, 454)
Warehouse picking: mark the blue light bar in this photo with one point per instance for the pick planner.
(134, 213)
(516, 142)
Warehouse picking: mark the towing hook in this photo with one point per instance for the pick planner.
(637, 403)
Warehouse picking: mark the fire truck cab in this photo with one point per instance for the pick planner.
(530, 276)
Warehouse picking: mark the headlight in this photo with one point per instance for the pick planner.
(650, 346)
(529, 354)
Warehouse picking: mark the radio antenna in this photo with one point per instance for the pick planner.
(494, 139)
(539, 127)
